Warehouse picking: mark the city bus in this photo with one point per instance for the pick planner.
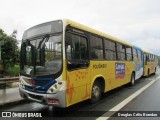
(138, 61)
(150, 63)
(63, 62)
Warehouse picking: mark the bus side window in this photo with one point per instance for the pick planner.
(110, 49)
(121, 52)
(139, 56)
(129, 53)
(147, 58)
(96, 48)
(76, 51)
(68, 45)
(135, 54)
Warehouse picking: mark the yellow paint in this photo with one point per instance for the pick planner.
(151, 66)
(79, 82)
(78, 86)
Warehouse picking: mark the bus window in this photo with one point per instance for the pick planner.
(110, 50)
(129, 53)
(149, 59)
(135, 56)
(96, 46)
(76, 51)
(135, 53)
(153, 58)
(120, 51)
(140, 58)
(144, 58)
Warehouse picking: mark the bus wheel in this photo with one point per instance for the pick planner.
(96, 92)
(132, 80)
(154, 71)
(148, 73)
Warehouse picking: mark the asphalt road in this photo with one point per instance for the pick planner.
(147, 101)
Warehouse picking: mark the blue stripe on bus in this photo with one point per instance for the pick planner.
(41, 85)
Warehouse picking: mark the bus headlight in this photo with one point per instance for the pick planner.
(54, 88)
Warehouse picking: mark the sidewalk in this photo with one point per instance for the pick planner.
(9, 95)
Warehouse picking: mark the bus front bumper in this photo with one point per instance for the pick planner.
(57, 99)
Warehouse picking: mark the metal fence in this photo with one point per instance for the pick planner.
(6, 80)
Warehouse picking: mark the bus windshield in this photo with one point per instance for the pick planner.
(41, 56)
(41, 49)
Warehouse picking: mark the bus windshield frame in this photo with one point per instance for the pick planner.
(41, 51)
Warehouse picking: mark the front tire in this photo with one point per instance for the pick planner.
(96, 92)
(148, 73)
(132, 80)
(154, 72)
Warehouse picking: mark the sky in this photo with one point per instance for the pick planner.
(134, 21)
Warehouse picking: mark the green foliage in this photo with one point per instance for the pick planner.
(159, 60)
(2, 85)
(5, 85)
(9, 51)
(13, 71)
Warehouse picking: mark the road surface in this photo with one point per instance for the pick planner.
(147, 100)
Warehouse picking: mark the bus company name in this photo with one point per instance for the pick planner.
(98, 66)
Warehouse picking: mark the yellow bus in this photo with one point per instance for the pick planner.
(150, 63)
(63, 62)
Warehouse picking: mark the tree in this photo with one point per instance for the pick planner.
(159, 60)
(9, 50)
(16, 49)
(14, 35)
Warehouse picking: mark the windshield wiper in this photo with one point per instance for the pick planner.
(41, 43)
(44, 39)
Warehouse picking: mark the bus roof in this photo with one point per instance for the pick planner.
(137, 48)
(148, 52)
(91, 30)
